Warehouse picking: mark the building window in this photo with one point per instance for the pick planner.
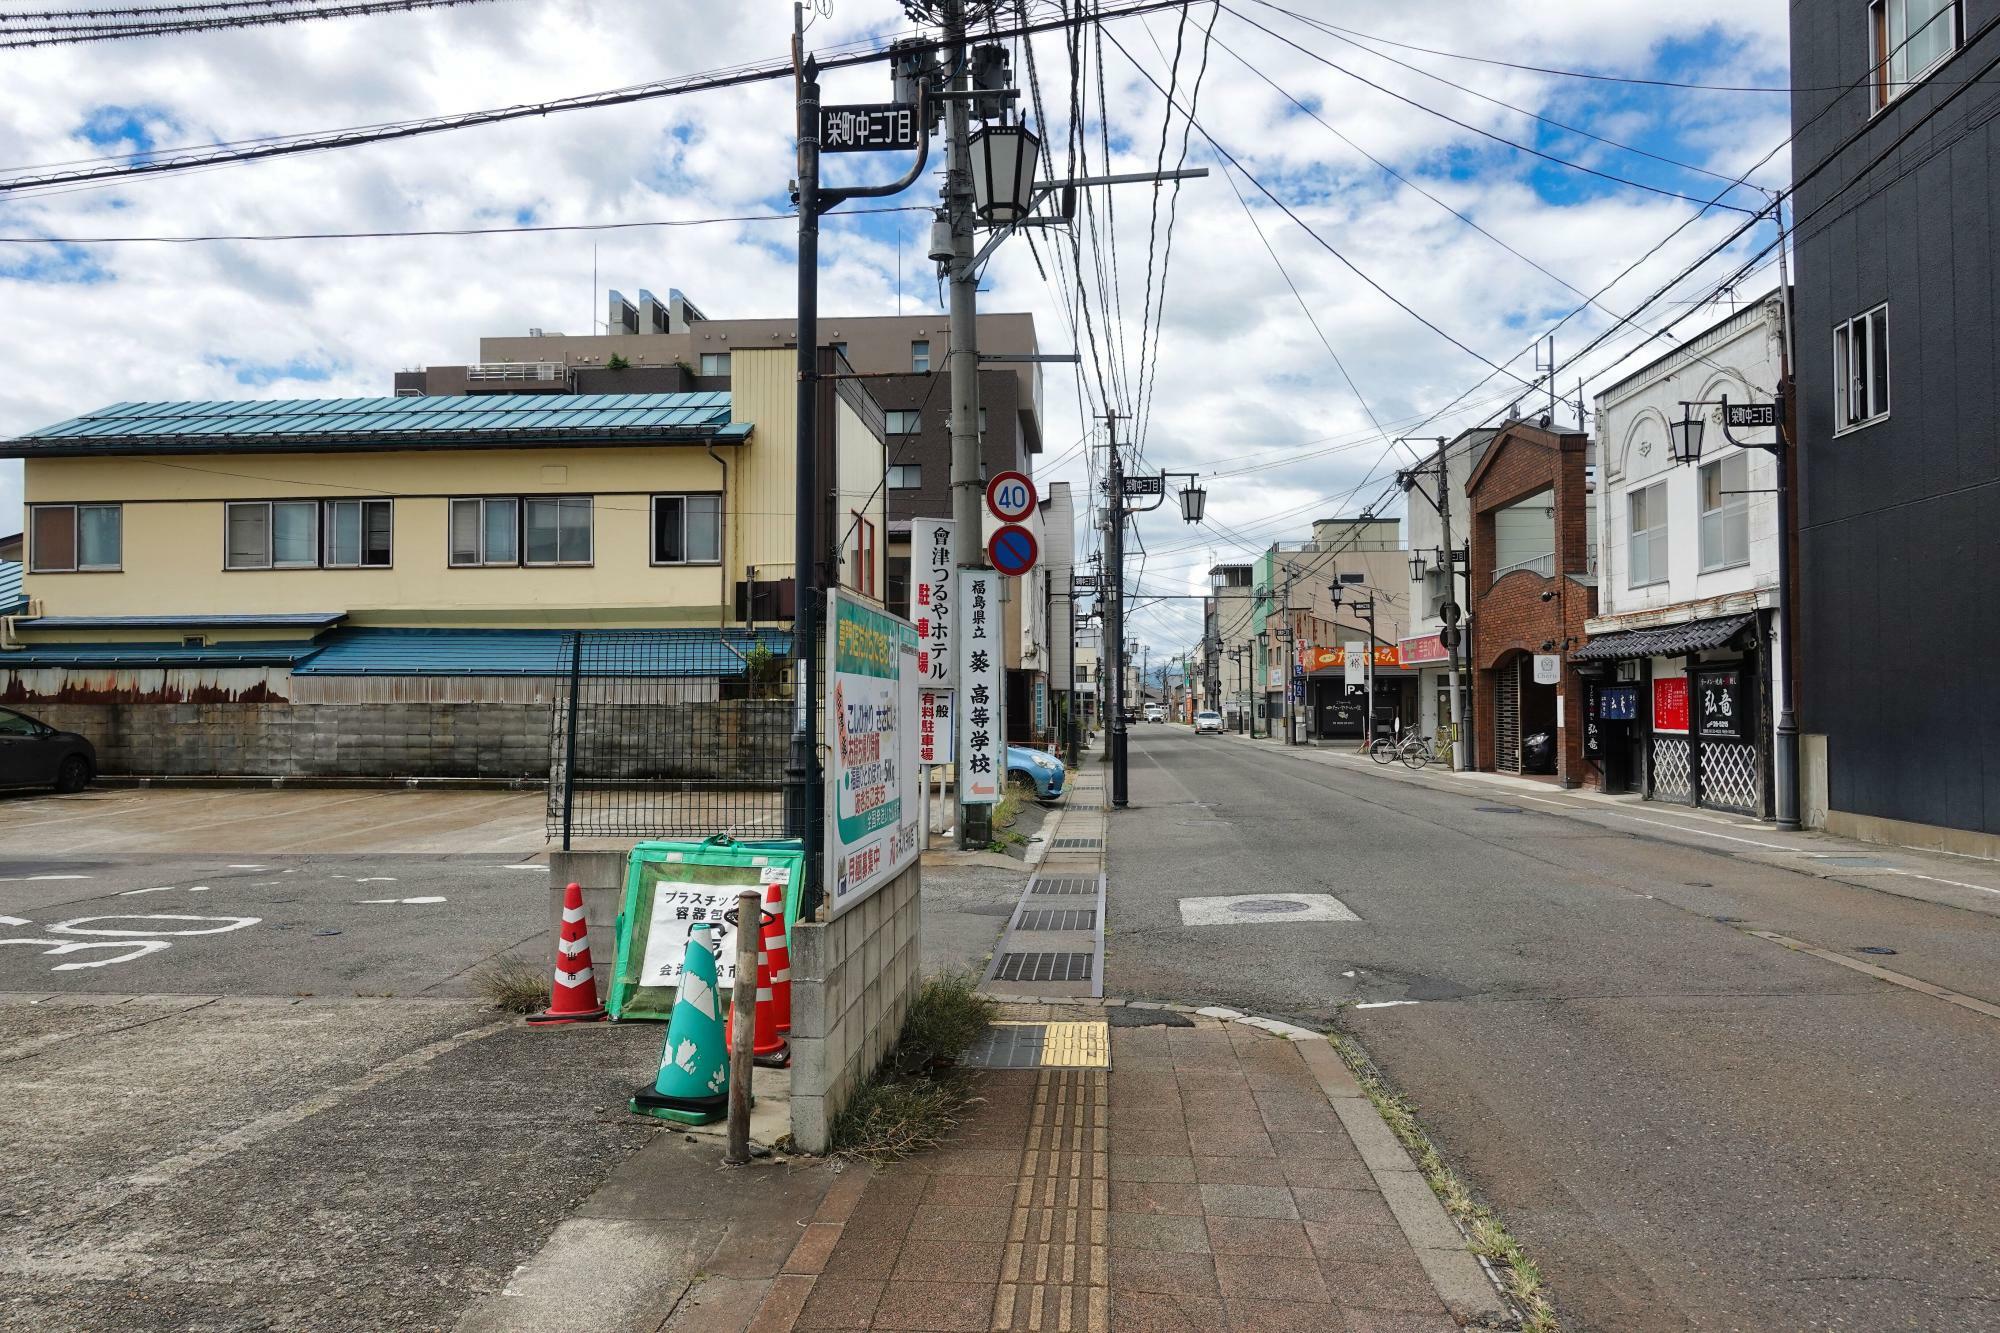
(1725, 513)
(864, 556)
(69, 539)
(982, 421)
(840, 350)
(687, 529)
(906, 476)
(920, 357)
(1861, 370)
(358, 533)
(271, 534)
(901, 422)
(1907, 40)
(715, 363)
(486, 532)
(556, 531)
(1648, 544)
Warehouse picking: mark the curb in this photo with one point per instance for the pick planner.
(1466, 1283)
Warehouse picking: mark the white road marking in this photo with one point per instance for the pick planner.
(376, 879)
(236, 867)
(199, 888)
(399, 900)
(32, 879)
(133, 949)
(132, 893)
(538, 869)
(1384, 1004)
(1955, 883)
(76, 926)
(1902, 979)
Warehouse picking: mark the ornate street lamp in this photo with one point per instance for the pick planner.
(1194, 502)
(1004, 160)
(1417, 566)
(1686, 433)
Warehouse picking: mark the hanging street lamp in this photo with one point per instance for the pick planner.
(1004, 160)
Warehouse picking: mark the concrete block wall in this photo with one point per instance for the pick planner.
(853, 979)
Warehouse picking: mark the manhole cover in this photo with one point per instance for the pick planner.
(1263, 908)
(1262, 905)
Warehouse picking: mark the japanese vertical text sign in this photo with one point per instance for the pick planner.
(980, 689)
(935, 611)
(876, 804)
(934, 741)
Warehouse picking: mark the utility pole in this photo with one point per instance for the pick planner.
(1460, 760)
(1114, 627)
(803, 793)
(1785, 784)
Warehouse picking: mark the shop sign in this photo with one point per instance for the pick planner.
(1548, 669)
(1720, 697)
(979, 667)
(933, 609)
(1422, 651)
(1618, 703)
(1354, 662)
(877, 803)
(1326, 659)
(934, 728)
(1670, 704)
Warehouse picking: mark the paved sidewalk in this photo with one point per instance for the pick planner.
(1214, 1177)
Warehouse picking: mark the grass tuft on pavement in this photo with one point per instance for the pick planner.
(513, 984)
(918, 1098)
(1488, 1235)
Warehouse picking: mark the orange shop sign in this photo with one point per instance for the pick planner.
(1326, 659)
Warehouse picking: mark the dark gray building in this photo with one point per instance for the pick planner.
(1898, 509)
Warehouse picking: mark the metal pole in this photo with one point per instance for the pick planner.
(1785, 775)
(1115, 630)
(743, 1023)
(1075, 728)
(802, 760)
(975, 822)
(1458, 750)
(569, 731)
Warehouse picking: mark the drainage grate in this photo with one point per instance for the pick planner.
(1064, 884)
(1077, 844)
(1058, 918)
(1007, 1046)
(1043, 967)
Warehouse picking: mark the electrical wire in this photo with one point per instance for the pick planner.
(15, 38)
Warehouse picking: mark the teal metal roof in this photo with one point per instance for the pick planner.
(275, 620)
(309, 424)
(381, 651)
(152, 655)
(11, 596)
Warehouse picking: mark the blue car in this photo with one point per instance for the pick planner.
(1038, 769)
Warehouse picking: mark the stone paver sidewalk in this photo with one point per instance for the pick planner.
(1216, 1177)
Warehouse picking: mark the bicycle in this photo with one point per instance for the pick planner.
(1414, 750)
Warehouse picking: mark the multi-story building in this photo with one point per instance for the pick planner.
(1233, 609)
(1533, 589)
(1688, 576)
(1898, 455)
(1305, 631)
(671, 346)
(382, 587)
(1432, 566)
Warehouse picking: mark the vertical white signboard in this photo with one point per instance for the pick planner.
(934, 609)
(981, 692)
(875, 807)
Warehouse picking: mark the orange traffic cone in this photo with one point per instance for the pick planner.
(781, 956)
(573, 997)
(767, 1048)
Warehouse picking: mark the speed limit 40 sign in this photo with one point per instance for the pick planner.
(1010, 496)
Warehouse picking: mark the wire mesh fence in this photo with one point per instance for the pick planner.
(676, 733)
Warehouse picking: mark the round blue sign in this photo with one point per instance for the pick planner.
(1012, 550)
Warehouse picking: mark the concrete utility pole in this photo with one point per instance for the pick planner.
(975, 822)
(1459, 757)
(1114, 626)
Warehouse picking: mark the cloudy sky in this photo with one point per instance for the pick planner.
(1287, 350)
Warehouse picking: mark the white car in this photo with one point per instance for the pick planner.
(1155, 713)
(1207, 720)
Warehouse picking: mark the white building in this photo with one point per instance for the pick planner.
(1431, 584)
(1688, 576)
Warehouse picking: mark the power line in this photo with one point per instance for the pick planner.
(73, 34)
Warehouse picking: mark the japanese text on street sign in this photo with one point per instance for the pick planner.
(980, 659)
(1145, 485)
(934, 728)
(1750, 416)
(936, 598)
(872, 721)
(867, 128)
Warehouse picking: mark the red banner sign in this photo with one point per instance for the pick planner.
(1670, 704)
(1422, 651)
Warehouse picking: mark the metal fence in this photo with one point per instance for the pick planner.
(677, 733)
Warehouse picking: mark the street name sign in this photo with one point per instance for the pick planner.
(1750, 416)
(867, 128)
(1010, 496)
(1145, 485)
(1012, 550)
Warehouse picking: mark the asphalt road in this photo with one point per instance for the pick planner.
(1688, 1126)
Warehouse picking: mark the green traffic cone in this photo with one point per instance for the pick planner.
(693, 1086)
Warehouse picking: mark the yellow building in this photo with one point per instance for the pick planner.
(415, 551)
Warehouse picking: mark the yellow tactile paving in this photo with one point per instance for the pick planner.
(1053, 1276)
(1077, 1046)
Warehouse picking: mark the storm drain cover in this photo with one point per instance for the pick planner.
(1043, 967)
(1498, 809)
(1007, 1046)
(1874, 949)
(1077, 844)
(1064, 884)
(1263, 908)
(1056, 918)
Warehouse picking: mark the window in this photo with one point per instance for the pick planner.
(68, 539)
(13, 724)
(920, 357)
(903, 423)
(840, 350)
(1907, 39)
(485, 532)
(556, 531)
(1725, 513)
(715, 363)
(864, 556)
(687, 529)
(358, 533)
(1648, 543)
(1861, 370)
(271, 534)
(982, 421)
(906, 476)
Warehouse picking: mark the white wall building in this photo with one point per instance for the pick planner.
(1688, 575)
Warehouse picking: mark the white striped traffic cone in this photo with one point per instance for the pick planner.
(780, 954)
(573, 996)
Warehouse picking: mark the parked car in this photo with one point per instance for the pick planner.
(35, 754)
(1038, 770)
(1207, 720)
(1155, 713)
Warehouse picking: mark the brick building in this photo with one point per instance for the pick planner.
(1534, 585)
